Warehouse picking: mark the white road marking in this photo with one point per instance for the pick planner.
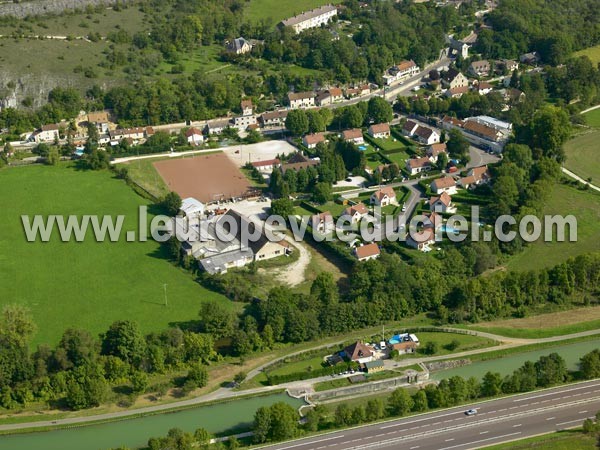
(484, 432)
(481, 440)
(565, 423)
(413, 448)
(517, 425)
(550, 418)
(449, 440)
(313, 442)
(582, 412)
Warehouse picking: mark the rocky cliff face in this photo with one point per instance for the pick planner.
(41, 7)
(15, 88)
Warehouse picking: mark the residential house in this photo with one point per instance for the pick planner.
(422, 240)
(217, 126)
(367, 252)
(136, 134)
(49, 133)
(194, 136)
(239, 46)
(384, 197)
(401, 71)
(452, 78)
(410, 128)
(243, 122)
(456, 92)
(380, 131)
(266, 165)
(418, 165)
(274, 119)
(483, 88)
(247, 107)
(364, 89)
(530, 58)
(480, 68)
(310, 19)
(481, 174)
(358, 352)
(298, 161)
(442, 204)
(507, 64)
(311, 140)
(355, 213)
(432, 220)
(301, 100)
(467, 182)
(427, 136)
(322, 222)
(191, 208)
(355, 136)
(101, 120)
(444, 184)
(434, 150)
(329, 97)
(405, 347)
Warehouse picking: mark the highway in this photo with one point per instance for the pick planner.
(501, 420)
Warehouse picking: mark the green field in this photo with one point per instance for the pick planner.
(593, 118)
(565, 200)
(562, 440)
(276, 10)
(593, 53)
(87, 284)
(583, 155)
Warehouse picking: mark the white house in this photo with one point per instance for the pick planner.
(367, 252)
(410, 128)
(355, 212)
(267, 165)
(273, 118)
(442, 204)
(194, 136)
(427, 136)
(311, 140)
(418, 165)
(401, 71)
(355, 136)
(247, 107)
(217, 126)
(480, 68)
(301, 100)
(422, 240)
(434, 151)
(444, 184)
(239, 46)
(322, 223)
(383, 197)
(380, 131)
(329, 97)
(310, 19)
(48, 133)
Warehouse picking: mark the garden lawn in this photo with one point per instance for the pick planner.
(593, 118)
(86, 285)
(388, 144)
(583, 155)
(276, 10)
(593, 53)
(564, 200)
(398, 158)
(465, 341)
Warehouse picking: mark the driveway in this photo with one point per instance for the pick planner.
(481, 158)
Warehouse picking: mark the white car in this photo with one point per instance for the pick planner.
(404, 208)
(471, 412)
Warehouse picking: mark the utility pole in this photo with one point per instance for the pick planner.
(165, 290)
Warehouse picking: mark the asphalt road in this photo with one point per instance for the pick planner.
(497, 421)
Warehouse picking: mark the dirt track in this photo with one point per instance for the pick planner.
(207, 178)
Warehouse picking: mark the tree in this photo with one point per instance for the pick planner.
(343, 415)
(400, 402)
(79, 347)
(86, 387)
(590, 364)
(262, 424)
(550, 370)
(315, 418)
(124, 340)
(139, 382)
(492, 384)
(17, 322)
(202, 437)
(548, 130)
(172, 203)
(457, 144)
(375, 409)
(283, 207)
(216, 319)
(420, 401)
(297, 122)
(442, 161)
(197, 376)
(316, 123)
(53, 157)
(284, 422)
(379, 110)
(322, 193)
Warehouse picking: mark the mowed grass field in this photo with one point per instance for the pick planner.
(565, 200)
(87, 285)
(583, 155)
(593, 53)
(277, 10)
(593, 118)
(562, 440)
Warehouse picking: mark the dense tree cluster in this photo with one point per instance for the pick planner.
(80, 370)
(518, 27)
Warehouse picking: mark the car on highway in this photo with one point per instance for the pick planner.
(470, 412)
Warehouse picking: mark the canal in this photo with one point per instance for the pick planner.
(506, 365)
(134, 433)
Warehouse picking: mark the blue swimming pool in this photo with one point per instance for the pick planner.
(362, 147)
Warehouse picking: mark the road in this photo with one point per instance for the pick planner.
(581, 180)
(500, 420)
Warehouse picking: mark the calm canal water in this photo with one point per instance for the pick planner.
(505, 366)
(135, 433)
